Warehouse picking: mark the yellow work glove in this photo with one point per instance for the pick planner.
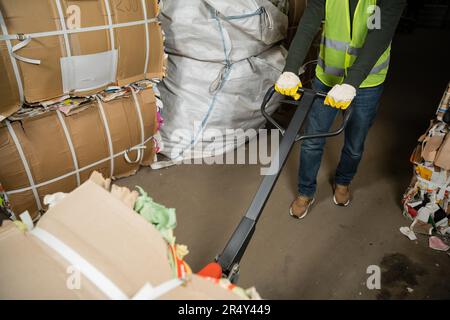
(340, 96)
(288, 84)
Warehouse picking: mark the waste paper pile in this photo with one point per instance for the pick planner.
(427, 199)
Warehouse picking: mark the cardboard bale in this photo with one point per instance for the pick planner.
(102, 230)
(47, 150)
(9, 89)
(75, 68)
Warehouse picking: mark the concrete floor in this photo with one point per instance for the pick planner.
(326, 255)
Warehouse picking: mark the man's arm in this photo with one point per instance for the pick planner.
(306, 31)
(377, 41)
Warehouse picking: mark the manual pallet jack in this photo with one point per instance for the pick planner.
(231, 256)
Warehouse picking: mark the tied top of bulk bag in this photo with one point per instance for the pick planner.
(257, 18)
(221, 31)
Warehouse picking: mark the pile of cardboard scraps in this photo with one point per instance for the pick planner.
(427, 200)
(80, 249)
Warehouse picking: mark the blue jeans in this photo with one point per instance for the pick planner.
(320, 119)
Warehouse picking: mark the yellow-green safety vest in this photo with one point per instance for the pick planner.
(340, 45)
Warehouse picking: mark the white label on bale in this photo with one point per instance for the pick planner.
(88, 72)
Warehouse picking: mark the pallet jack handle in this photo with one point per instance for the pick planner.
(230, 257)
(269, 95)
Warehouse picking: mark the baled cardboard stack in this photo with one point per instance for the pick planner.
(47, 148)
(58, 49)
(53, 63)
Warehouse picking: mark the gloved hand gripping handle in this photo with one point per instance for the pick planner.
(346, 114)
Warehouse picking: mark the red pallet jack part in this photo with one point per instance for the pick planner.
(211, 270)
(230, 257)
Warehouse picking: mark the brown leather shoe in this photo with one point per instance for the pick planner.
(300, 207)
(341, 195)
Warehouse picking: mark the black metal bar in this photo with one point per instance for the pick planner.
(280, 156)
(266, 100)
(296, 103)
(347, 115)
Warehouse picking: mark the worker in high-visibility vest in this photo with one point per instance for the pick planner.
(352, 67)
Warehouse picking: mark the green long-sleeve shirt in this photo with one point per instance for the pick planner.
(376, 43)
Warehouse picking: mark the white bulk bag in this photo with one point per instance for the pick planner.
(199, 96)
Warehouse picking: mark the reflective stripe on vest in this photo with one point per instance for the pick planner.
(340, 72)
(340, 46)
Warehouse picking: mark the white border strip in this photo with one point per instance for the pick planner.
(70, 143)
(141, 121)
(34, 35)
(98, 278)
(110, 27)
(108, 135)
(62, 21)
(25, 164)
(103, 283)
(147, 37)
(19, 46)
